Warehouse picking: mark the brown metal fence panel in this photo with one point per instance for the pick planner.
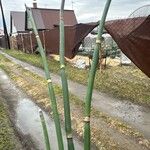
(13, 42)
(133, 37)
(19, 42)
(26, 42)
(74, 35)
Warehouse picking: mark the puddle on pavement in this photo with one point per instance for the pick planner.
(29, 122)
(27, 116)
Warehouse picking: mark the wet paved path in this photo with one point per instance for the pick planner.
(136, 116)
(26, 115)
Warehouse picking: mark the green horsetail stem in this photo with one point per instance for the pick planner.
(49, 81)
(46, 137)
(87, 133)
(68, 128)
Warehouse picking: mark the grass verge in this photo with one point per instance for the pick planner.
(126, 82)
(7, 136)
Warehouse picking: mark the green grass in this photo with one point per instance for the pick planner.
(7, 136)
(126, 82)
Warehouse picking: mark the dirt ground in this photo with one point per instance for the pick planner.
(106, 133)
(25, 117)
(135, 115)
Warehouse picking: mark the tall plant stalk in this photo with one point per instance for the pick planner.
(49, 82)
(68, 128)
(87, 132)
(46, 137)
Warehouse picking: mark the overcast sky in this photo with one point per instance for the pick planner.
(85, 10)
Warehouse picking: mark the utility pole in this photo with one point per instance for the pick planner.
(7, 43)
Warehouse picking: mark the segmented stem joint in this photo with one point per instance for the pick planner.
(37, 36)
(98, 41)
(69, 136)
(62, 66)
(49, 81)
(87, 119)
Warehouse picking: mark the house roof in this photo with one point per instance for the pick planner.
(18, 19)
(47, 18)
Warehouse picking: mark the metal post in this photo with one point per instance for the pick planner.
(43, 33)
(30, 34)
(23, 47)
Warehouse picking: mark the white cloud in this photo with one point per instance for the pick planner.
(86, 10)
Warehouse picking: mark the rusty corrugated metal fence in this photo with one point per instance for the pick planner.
(50, 39)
